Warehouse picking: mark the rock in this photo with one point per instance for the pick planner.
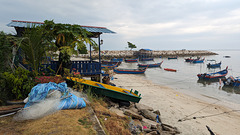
(132, 114)
(117, 111)
(153, 133)
(147, 130)
(142, 106)
(133, 109)
(169, 128)
(148, 114)
(157, 112)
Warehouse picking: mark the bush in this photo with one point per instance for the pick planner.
(16, 85)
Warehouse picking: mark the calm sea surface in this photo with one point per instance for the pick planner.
(186, 81)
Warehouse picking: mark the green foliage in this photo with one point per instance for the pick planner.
(17, 84)
(33, 45)
(66, 37)
(131, 45)
(5, 51)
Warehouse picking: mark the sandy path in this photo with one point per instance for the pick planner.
(174, 105)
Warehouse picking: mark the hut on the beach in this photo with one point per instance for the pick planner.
(86, 68)
(144, 53)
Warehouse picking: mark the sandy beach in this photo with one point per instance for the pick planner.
(174, 105)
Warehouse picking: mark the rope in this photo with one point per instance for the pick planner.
(206, 116)
(185, 118)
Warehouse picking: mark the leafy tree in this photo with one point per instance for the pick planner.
(6, 43)
(64, 38)
(131, 45)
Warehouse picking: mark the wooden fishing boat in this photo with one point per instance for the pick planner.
(130, 71)
(110, 66)
(117, 59)
(169, 69)
(131, 60)
(215, 65)
(189, 59)
(175, 57)
(108, 90)
(231, 81)
(219, 74)
(150, 65)
(198, 60)
(146, 59)
(104, 62)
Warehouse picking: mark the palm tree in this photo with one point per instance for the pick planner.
(34, 46)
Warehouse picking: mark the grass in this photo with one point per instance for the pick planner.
(70, 122)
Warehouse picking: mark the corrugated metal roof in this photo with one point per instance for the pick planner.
(25, 24)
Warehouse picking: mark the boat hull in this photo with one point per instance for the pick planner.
(169, 69)
(216, 75)
(108, 90)
(129, 71)
(150, 65)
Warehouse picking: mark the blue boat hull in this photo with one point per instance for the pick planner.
(129, 71)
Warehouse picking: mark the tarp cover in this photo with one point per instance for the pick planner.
(69, 100)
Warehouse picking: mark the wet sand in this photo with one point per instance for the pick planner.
(174, 105)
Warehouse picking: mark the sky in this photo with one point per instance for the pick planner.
(150, 24)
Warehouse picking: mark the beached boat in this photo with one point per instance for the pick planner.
(130, 71)
(169, 69)
(108, 90)
(150, 65)
(131, 60)
(175, 57)
(198, 60)
(215, 75)
(231, 81)
(215, 65)
(146, 59)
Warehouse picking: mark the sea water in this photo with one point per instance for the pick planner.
(185, 80)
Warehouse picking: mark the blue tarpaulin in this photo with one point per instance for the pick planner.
(69, 100)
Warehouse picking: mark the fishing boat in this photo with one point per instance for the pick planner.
(215, 65)
(169, 69)
(198, 60)
(189, 59)
(108, 90)
(150, 65)
(104, 62)
(117, 59)
(131, 60)
(215, 75)
(231, 81)
(130, 71)
(174, 57)
(146, 59)
(110, 66)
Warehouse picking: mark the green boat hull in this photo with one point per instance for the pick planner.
(111, 93)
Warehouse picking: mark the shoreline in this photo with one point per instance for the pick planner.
(175, 105)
